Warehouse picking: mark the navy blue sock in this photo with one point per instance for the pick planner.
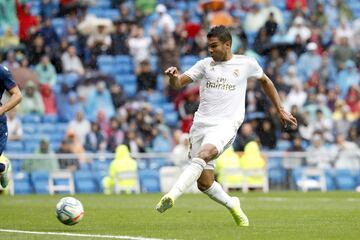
(2, 167)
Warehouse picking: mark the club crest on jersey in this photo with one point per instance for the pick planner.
(236, 72)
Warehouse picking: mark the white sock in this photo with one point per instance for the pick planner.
(217, 193)
(191, 173)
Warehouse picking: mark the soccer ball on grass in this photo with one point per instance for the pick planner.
(69, 211)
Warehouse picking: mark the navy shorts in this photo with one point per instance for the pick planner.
(3, 136)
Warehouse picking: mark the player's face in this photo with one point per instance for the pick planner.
(217, 49)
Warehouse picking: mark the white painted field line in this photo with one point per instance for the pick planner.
(77, 235)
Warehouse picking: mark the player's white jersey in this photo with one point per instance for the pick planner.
(223, 88)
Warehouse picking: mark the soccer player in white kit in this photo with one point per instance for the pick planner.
(222, 79)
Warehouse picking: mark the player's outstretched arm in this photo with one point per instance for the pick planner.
(177, 80)
(15, 99)
(270, 90)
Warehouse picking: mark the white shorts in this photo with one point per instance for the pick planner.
(221, 136)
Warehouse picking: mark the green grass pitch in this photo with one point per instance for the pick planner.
(277, 215)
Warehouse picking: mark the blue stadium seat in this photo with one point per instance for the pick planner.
(154, 63)
(130, 89)
(103, 4)
(283, 145)
(149, 180)
(276, 175)
(40, 181)
(50, 118)
(31, 118)
(47, 128)
(345, 180)
(156, 98)
(31, 145)
(171, 118)
(84, 181)
(16, 165)
(168, 107)
(160, 83)
(58, 24)
(22, 183)
(14, 146)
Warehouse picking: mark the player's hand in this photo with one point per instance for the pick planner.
(287, 119)
(172, 72)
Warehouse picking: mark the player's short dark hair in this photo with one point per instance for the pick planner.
(221, 32)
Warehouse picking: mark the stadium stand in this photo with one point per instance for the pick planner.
(332, 85)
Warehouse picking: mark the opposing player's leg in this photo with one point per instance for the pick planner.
(213, 189)
(191, 173)
(5, 167)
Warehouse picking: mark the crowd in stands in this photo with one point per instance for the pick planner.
(71, 60)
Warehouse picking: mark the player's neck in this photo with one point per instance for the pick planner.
(227, 57)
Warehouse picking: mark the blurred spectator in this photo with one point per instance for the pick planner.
(47, 161)
(119, 39)
(347, 77)
(168, 50)
(67, 104)
(180, 153)
(297, 96)
(24, 74)
(271, 25)
(317, 155)
(189, 105)
(38, 50)
(15, 130)
(48, 9)
(118, 95)
(318, 16)
(347, 154)
(164, 20)
(352, 98)
(115, 135)
(343, 52)
(146, 7)
(139, 45)
(228, 160)
(80, 127)
(99, 99)
(95, 140)
(9, 40)
(244, 136)
(67, 163)
(146, 79)
(299, 28)
(134, 142)
(11, 62)
(32, 101)
(344, 12)
(253, 159)
(354, 135)
(323, 126)
(296, 145)
(254, 19)
(47, 31)
(121, 163)
(267, 134)
(341, 117)
(310, 61)
(75, 146)
(261, 41)
(28, 24)
(48, 98)
(8, 14)
(71, 63)
(162, 141)
(344, 30)
(46, 71)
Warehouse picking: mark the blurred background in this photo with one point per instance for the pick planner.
(91, 74)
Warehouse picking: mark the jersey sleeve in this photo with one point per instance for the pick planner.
(6, 78)
(254, 69)
(196, 72)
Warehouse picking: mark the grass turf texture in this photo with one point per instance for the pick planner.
(278, 215)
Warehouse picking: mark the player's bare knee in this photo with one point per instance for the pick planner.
(208, 152)
(203, 184)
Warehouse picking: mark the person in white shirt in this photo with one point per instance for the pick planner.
(71, 62)
(222, 78)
